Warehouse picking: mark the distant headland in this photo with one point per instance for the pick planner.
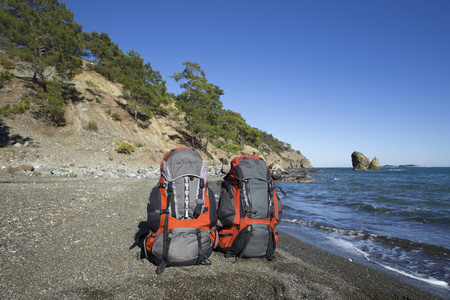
(401, 166)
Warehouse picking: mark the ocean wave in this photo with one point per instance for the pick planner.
(427, 263)
(348, 232)
(369, 207)
(365, 235)
(433, 281)
(427, 220)
(410, 274)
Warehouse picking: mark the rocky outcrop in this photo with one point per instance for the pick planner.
(305, 163)
(359, 161)
(374, 164)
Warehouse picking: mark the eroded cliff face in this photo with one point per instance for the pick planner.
(93, 101)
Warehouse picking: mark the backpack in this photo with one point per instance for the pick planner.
(181, 213)
(249, 209)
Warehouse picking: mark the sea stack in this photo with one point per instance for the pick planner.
(374, 164)
(359, 161)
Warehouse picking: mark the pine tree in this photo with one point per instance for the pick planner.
(101, 48)
(145, 87)
(105, 54)
(43, 33)
(200, 101)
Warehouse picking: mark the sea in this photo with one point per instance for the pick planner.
(395, 219)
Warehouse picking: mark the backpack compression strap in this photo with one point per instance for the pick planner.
(271, 189)
(200, 202)
(271, 246)
(202, 258)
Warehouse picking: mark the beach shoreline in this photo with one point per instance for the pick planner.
(71, 237)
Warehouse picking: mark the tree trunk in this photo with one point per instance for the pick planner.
(135, 110)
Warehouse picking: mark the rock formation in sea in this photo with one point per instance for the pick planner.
(374, 164)
(359, 161)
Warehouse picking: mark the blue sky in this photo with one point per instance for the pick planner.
(327, 77)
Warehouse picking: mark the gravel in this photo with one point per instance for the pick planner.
(70, 238)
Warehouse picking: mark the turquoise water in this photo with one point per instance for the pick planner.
(396, 218)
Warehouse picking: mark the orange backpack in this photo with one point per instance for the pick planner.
(249, 209)
(181, 213)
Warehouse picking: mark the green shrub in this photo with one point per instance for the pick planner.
(97, 99)
(125, 147)
(257, 153)
(5, 110)
(218, 143)
(5, 78)
(94, 89)
(15, 109)
(90, 84)
(6, 63)
(102, 70)
(116, 117)
(108, 111)
(232, 149)
(92, 126)
(51, 103)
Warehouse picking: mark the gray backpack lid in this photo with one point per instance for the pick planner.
(183, 162)
(252, 168)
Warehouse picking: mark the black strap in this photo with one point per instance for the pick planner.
(246, 208)
(138, 240)
(166, 238)
(225, 234)
(202, 258)
(279, 188)
(171, 199)
(228, 186)
(271, 199)
(250, 202)
(159, 212)
(200, 252)
(271, 246)
(201, 186)
(160, 269)
(199, 208)
(200, 202)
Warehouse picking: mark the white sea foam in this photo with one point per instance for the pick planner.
(409, 275)
(427, 280)
(342, 243)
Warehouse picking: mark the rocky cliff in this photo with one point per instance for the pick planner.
(95, 122)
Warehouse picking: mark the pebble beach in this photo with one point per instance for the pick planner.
(70, 238)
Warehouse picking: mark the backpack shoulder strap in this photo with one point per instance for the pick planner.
(166, 238)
